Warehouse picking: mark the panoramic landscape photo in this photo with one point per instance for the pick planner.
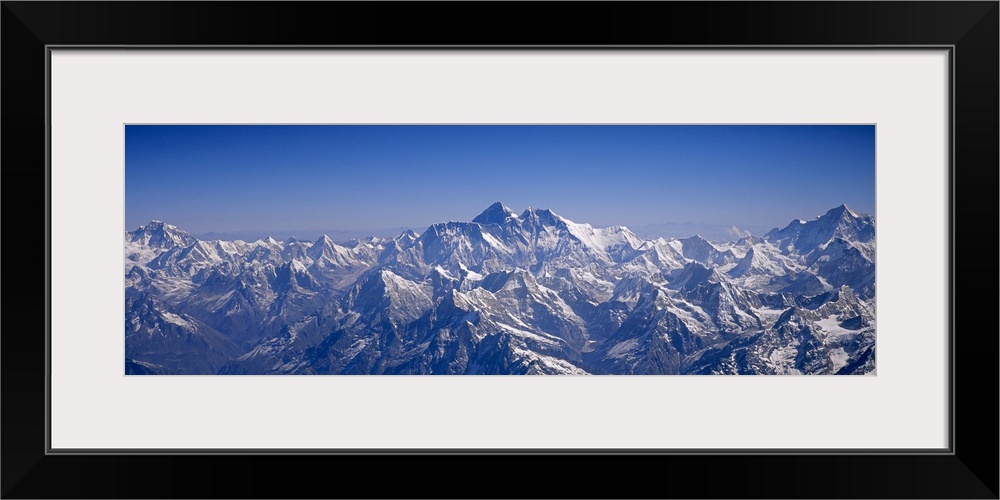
(499, 249)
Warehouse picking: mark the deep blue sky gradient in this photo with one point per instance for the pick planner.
(249, 178)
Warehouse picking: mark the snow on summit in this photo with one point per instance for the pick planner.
(506, 293)
(496, 213)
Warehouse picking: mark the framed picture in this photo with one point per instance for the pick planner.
(888, 107)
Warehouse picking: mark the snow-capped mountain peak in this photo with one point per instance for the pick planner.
(158, 234)
(497, 213)
(540, 217)
(842, 210)
(505, 294)
(839, 222)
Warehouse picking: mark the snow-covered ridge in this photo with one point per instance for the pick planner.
(532, 292)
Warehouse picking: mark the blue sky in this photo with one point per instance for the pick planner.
(251, 179)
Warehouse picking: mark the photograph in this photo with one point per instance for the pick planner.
(583, 249)
(222, 195)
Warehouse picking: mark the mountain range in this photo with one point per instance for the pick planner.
(506, 293)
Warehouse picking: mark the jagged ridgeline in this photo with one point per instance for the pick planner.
(533, 293)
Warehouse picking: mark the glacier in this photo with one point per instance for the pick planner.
(505, 293)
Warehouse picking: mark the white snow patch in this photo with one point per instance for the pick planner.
(549, 362)
(355, 348)
(495, 243)
(552, 340)
(838, 357)
(170, 317)
(297, 267)
(469, 274)
(831, 326)
(783, 360)
(444, 272)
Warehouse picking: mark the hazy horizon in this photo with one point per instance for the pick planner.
(713, 232)
(659, 180)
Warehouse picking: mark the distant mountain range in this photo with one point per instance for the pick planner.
(311, 234)
(507, 293)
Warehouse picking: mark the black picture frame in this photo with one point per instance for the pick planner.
(970, 29)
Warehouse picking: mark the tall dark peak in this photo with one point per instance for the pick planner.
(496, 213)
(158, 234)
